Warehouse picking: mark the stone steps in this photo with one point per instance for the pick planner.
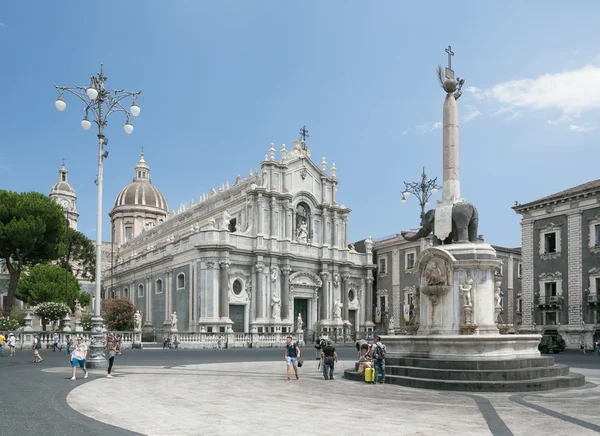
(479, 375)
(537, 384)
(486, 365)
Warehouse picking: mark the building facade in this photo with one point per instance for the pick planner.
(561, 264)
(268, 253)
(396, 286)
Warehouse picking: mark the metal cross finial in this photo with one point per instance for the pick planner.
(142, 147)
(304, 133)
(450, 54)
(63, 159)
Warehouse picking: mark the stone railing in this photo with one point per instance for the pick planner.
(24, 340)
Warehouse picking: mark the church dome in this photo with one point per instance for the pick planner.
(141, 192)
(63, 184)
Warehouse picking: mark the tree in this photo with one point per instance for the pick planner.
(77, 250)
(118, 313)
(49, 283)
(50, 311)
(31, 229)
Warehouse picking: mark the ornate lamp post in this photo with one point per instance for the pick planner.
(422, 190)
(99, 104)
(65, 210)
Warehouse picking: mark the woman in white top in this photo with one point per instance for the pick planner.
(11, 344)
(78, 355)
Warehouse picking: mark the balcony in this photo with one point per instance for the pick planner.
(551, 301)
(593, 299)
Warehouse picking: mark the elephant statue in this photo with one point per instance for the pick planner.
(465, 221)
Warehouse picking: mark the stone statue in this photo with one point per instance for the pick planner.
(300, 148)
(391, 324)
(337, 310)
(434, 276)
(213, 222)
(78, 312)
(353, 248)
(336, 280)
(273, 274)
(302, 232)
(276, 307)
(226, 219)
(137, 321)
(369, 244)
(465, 292)
(174, 319)
(299, 322)
(498, 294)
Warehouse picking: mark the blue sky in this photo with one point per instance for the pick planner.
(222, 80)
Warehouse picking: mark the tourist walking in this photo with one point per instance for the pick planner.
(118, 343)
(2, 341)
(292, 354)
(329, 358)
(78, 355)
(69, 344)
(582, 347)
(112, 352)
(379, 351)
(36, 346)
(55, 346)
(12, 343)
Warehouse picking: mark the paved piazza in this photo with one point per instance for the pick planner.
(253, 398)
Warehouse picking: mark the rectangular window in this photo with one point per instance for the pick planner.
(410, 260)
(519, 270)
(520, 305)
(550, 242)
(128, 232)
(382, 266)
(550, 289)
(597, 233)
(158, 287)
(550, 318)
(597, 285)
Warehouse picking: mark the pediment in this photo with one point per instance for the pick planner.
(305, 279)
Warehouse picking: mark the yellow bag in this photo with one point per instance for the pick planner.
(369, 375)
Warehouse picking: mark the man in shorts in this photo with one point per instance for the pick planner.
(292, 354)
(36, 346)
(78, 355)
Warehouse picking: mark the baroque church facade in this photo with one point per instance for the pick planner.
(269, 253)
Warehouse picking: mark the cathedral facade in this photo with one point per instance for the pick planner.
(269, 253)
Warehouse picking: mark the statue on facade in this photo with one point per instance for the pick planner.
(434, 276)
(299, 323)
(274, 274)
(498, 294)
(226, 220)
(78, 311)
(336, 280)
(337, 310)
(302, 232)
(174, 319)
(465, 292)
(137, 321)
(276, 307)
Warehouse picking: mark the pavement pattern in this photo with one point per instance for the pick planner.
(235, 392)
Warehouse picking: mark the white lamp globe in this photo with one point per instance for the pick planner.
(128, 128)
(92, 93)
(60, 104)
(403, 201)
(405, 194)
(85, 124)
(135, 109)
(426, 203)
(434, 191)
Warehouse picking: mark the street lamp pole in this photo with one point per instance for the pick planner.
(422, 190)
(99, 103)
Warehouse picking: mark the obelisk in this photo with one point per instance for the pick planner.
(450, 159)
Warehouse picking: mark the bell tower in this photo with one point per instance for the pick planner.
(64, 195)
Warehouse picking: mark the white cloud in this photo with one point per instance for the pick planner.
(427, 127)
(405, 133)
(472, 113)
(573, 93)
(2, 25)
(582, 128)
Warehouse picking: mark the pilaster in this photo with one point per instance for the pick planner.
(260, 291)
(527, 279)
(575, 281)
(285, 293)
(224, 290)
(324, 295)
(345, 285)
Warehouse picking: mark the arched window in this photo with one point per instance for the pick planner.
(112, 294)
(302, 231)
(180, 281)
(141, 291)
(158, 286)
(126, 292)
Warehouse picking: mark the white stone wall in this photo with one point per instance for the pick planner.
(527, 280)
(574, 283)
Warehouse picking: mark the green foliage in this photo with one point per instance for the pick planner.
(50, 311)
(31, 229)
(7, 323)
(45, 283)
(86, 322)
(78, 253)
(118, 314)
(18, 315)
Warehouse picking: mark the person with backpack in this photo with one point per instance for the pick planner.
(292, 356)
(37, 346)
(379, 351)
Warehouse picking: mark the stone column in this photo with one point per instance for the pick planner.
(334, 229)
(261, 213)
(369, 300)
(224, 290)
(527, 283)
(167, 291)
(451, 180)
(285, 293)
(273, 233)
(287, 221)
(325, 240)
(259, 292)
(575, 281)
(148, 288)
(324, 296)
(345, 285)
(193, 295)
(510, 300)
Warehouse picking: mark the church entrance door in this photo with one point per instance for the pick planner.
(236, 314)
(352, 319)
(301, 307)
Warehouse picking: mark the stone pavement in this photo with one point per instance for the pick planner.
(240, 398)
